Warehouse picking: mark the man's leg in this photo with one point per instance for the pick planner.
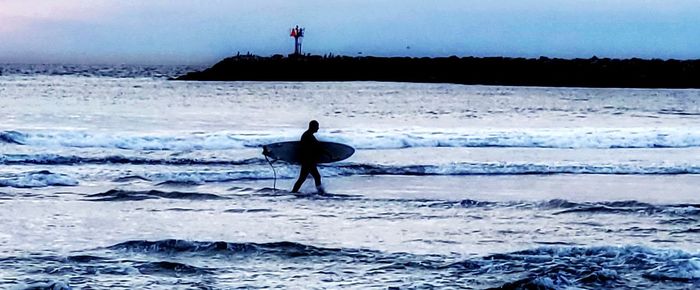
(317, 178)
(302, 177)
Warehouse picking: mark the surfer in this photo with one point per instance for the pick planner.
(310, 150)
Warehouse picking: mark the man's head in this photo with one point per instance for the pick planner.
(313, 126)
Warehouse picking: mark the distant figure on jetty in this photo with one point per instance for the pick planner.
(310, 153)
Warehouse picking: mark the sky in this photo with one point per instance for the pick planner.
(204, 31)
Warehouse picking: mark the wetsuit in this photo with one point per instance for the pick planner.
(309, 152)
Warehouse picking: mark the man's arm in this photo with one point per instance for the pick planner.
(321, 151)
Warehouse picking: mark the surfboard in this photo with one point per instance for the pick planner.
(288, 151)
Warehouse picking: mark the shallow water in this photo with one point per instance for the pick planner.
(118, 178)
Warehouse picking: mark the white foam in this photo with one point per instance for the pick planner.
(56, 159)
(350, 169)
(676, 137)
(36, 179)
(185, 142)
(543, 138)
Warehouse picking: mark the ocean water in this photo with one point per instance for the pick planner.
(117, 178)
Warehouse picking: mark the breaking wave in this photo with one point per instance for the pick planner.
(134, 142)
(197, 178)
(56, 159)
(376, 139)
(349, 169)
(346, 169)
(503, 168)
(33, 179)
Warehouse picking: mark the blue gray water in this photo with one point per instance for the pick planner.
(115, 177)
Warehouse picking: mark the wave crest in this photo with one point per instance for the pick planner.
(350, 169)
(288, 249)
(34, 179)
(128, 195)
(375, 139)
(56, 159)
(562, 206)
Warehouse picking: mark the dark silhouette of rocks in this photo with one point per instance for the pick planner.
(543, 71)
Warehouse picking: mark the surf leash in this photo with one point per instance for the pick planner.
(274, 174)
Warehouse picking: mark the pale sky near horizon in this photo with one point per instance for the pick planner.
(201, 32)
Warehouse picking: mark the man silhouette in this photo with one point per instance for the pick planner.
(309, 152)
